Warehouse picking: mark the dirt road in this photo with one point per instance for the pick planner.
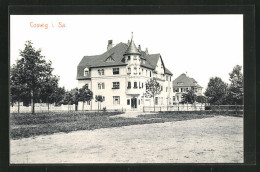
(210, 140)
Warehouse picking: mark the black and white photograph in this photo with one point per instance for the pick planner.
(126, 89)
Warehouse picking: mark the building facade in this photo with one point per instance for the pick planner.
(182, 84)
(120, 74)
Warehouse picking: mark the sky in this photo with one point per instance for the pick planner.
(202, 46)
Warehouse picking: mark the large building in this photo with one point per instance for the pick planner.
(182, 84)
(120, 74)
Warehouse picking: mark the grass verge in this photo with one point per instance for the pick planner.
(28, 125)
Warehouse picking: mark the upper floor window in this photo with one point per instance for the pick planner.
(86, 72)
(135, 84)
(116, 85)
(101, 85)
(170, 78)
(135, 58)
(101, 71)
(166, 78)
(135, 70)
(115, 71)
(150, 73)
(129, 85)
(166, 89)
(128, 58)
(129, 70)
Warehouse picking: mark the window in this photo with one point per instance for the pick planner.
(139, 85)
(146, 72)
(142, 85)
(170, 78)
(135, 84)
(87, 86)
(166, 89)
(173, 98)
(116, 85)
(129, 58)
(135, 58)
(101, 85)
(128, 101)
(116, 100)
(142, 71)
(161, 88)
(156, 100)
(166, 78)
(187, 89)
(115, 71)
(138, 101)
(129, 70)
(129, 85)
(86, 72)
(150, 74)
(110, 59)
(176, 89)
(101, 71)
(135, 70)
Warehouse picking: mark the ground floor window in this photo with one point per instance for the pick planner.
(116, 100)
(128, 101)
(173, 98)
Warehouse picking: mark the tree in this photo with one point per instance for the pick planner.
(99, 99)
(153, 88)
(235, 90)
(189, 97)
(33, 71)
(201, 99)
(216, 91)
(85, 95)
(48, 89)
(18, 92)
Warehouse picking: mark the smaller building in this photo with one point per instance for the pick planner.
(182, 84)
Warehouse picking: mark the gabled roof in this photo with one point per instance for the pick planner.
(117, 53)
(185, 81)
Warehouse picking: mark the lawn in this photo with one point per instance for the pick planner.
(29, 125)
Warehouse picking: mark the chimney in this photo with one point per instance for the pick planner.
(110, 44)
(146, 51)
(139, 48)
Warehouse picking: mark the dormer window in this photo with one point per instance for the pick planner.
(110, 59)
(128, 58)
(86, 72)
(135, 58)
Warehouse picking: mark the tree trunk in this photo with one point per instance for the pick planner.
(18, 107)
(153, 104)
(32, 102)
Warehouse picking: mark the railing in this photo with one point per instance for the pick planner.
(218, 109)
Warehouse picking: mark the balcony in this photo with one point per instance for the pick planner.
(134, 90)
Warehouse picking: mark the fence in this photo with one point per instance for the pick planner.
(62, 108)
(217, 109)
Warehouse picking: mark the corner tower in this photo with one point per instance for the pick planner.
(132, 58)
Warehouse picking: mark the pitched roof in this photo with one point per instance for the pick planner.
(116, 53)
(185, 81)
